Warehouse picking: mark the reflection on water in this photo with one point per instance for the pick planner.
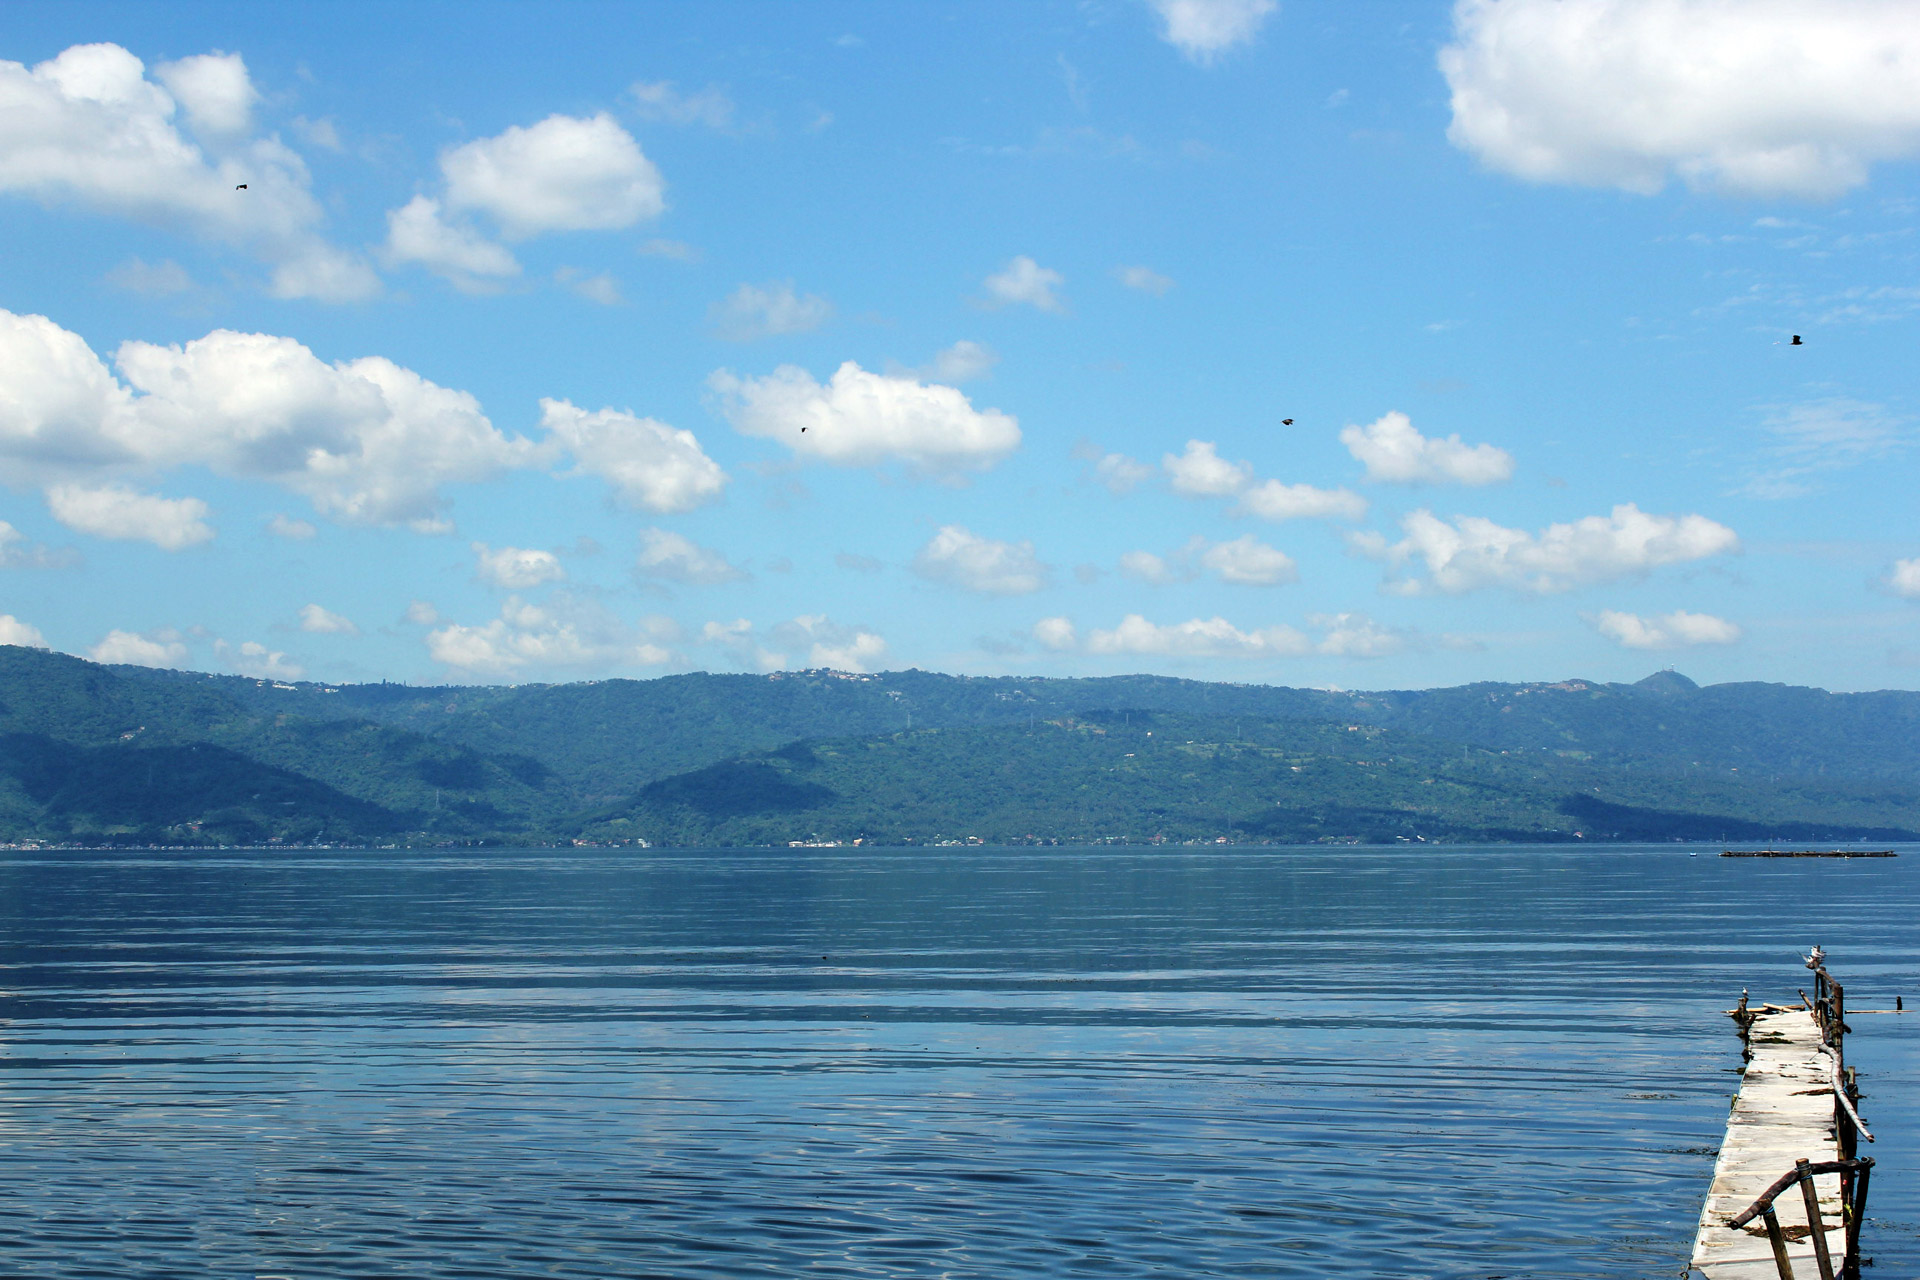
(1472, 1063)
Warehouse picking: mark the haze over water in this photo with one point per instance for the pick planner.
(983, 1063)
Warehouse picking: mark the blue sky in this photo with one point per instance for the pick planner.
(497, 369)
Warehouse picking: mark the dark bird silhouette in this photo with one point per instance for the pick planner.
(1286, 422)
(243, 187)
(803, 431)
(1796, 341)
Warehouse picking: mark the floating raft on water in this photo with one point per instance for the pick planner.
(1809, 853)
(1788, 1195)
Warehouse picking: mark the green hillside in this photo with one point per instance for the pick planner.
(126, 753)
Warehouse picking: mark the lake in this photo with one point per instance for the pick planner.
(939, 1062)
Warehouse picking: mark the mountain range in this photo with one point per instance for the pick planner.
(130, 755)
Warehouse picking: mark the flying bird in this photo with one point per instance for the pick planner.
(1286, 422)
(1796, 341)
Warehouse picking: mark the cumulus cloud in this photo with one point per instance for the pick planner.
(326, 622)
(765, 311)
(1748, 97)
(1145, 279)
(565, 634)
(601, 288)
(1155, 571)
(661, 101)
(418, 232)
(1675, 630)
(1272, 500)
(172, 524)
(1904, 579)
(1205, 29)
(515, 568)
(1393, 452)
(1197, 638)
(738, 638)
(648, 463)
(1355, 635)
(830, 644)
(89, 128)
(1472, 552)
(1057, 634)
(565, 173)
(130, 648)
(251, 658)
(1025, 282)
(15, 632)
(861, 419)
(1200, 472)
(962, 558)
(677, 558)
(1115, 472)
(421, 613)
(1250, 562)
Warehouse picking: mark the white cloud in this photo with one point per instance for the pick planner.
(1250, 562)
(1057, 634)
(1145, 279)
(89, 128)
(421, 613)
(1197, 638)
(765, 311)
(1271, 500)
(326, 622)
(601, 288)
(1904, 578)
(1144, 566)
(1669, 631)
(1749, 97)
(674, 556)
(829, 644)
(515, 568)
(565, 634)
(1355, 635)
(1204, 29)
(1473, 552)
(215, 90)
(417, 232)
(17, 553)
(1392, 451)
(1024, 281)
(1115, 472)
(1819, 437)
(162, 649)
(15, 632)
(648, 463)
(251, 658)
(661, 101)
(281, 526)
(154, 280)
(673, 250)
(365, 440)
(863, 419)
(962, 558)
(962, 362)
(1201, 472)
(562, 174)
(172, 524)
(737, 637)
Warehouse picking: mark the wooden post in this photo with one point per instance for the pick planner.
(1858, 1211)
(1821, 1257)
(1779, 1244)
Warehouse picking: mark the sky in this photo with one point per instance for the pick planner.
(1332, 343)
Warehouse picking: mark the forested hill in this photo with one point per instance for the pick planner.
(126, 753)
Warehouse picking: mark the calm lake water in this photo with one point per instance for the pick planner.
(987, 1063)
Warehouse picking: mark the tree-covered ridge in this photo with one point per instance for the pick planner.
(908, 756)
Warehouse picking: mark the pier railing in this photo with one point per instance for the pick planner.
(1853, 1206)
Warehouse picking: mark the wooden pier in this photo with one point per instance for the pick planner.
(1788, 1193)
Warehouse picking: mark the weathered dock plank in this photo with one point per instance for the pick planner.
(1784, 1113)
